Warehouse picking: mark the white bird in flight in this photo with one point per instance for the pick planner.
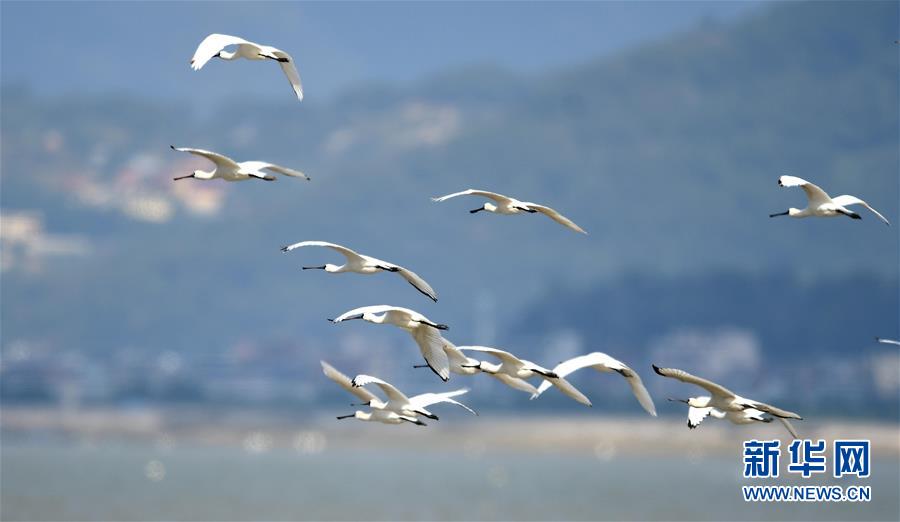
(724, 403)
(887, 341)
(362, 264)
(409, 406)
(512, 367)
(462, 364)
(603, 363)
(213, 46)
(378, 413)
(230, 170)
(820, 204)
(748, 416)
(508, 205)
(423, 330)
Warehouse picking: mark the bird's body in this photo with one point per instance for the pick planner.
(229, 170)
(382, 416)
(722, 400)
(510, 206)
(362, 264)
(409, 406)
(512, 370)
(820, 204)
(214, 45)
(424, 331)
(603, 363)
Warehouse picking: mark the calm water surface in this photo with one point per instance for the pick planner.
(60, 481)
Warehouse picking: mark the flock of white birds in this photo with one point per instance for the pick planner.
(442, 356)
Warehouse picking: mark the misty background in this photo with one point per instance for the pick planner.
(661, 128)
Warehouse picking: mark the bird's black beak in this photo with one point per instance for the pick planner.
(442, 327)
(678, 400)
(312, 267)
(368, 403)
(183, 177)
(346, 416)
(479, 209)
(786, 212)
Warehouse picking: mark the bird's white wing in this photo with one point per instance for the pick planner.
(431, 345)
(346, 383)
(505, 357)
(389, 389)
(375, 309)
(499, 198)
(219, 159)
(290, 70)
(684, 376)
(696, 416)
(790, 427)
(427, 399)
(456, 357)
(846, 200)
(349, 254)
(417, 282)
(887, 341)
(515, 383)
(814, 193)
(567, 388)
(639, 390)
(210, 46)
(597, 360)
(771, 410)
(556, 216)
(258, 166)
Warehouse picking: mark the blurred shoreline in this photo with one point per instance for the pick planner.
(261, 430)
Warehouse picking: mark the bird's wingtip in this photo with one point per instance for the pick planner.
(656, 369)
(172, 147)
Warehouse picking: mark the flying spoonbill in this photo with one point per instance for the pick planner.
(362, 264)
(508, 205)
(462, 364)
(887, 341)
(515, 368)
(820, 204)
(603, 363)
(724, 401)
(409, 406)
(423, 330)
(213, 46)
(748, 416)
(230, 170)
(378, 413)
